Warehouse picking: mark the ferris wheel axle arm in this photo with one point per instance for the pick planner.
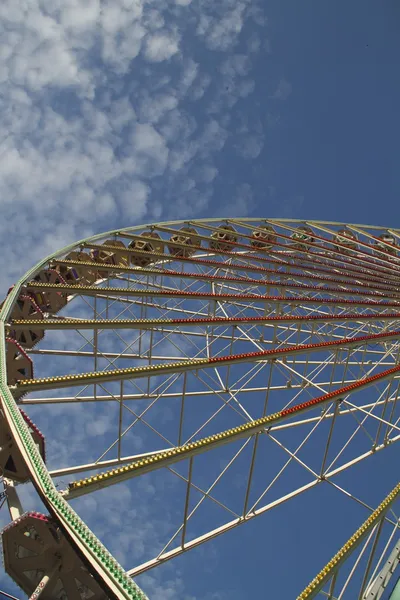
(283, 275)
(161, 258)
(362, 256)
(26, 385)
(71, 323)
(334, 245)
(13, 501)
(125, 292)
(90, 290)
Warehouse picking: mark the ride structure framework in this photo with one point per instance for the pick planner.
(232, 365)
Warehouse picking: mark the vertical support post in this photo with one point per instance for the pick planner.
(121, 406)
(95, 345)
(185, 516)
(13, 501)
(251, 470)
(182, 409)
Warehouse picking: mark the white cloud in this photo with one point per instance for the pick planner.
(153, 108)
(221, 31)
(190, 72)
(31, 38)
(133, 200)
(98, 426)
(161, 46)
(149, 151)
(213, 137)
(77, 16)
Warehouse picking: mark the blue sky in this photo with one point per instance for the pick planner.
(116, 113)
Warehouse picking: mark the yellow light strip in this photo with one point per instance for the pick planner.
(96, 323)
(195, 322)
(26, 385)
(174, 455)
(327, 572)
(123, 291)
(85, 378)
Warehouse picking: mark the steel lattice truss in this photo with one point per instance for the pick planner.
(225, 356)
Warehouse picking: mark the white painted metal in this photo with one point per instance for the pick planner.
(236, 393)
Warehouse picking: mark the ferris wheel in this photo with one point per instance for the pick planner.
(205, 360)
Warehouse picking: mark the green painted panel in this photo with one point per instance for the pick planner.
(395, 595)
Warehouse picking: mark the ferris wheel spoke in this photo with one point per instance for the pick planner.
(294, 456)
(348, 571)
(392, 413)
(245, 264)
(379, 580)
(234, 400)
(361, 424)
(336, 254)
(211, 487)
(285, 367)
(95, 377)
(319, 264)
(328, 362)
(230, 298)
(383, 256)
(258, 346)
(344, 267)
(361, 256)
(138, 418)
(371, 539)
